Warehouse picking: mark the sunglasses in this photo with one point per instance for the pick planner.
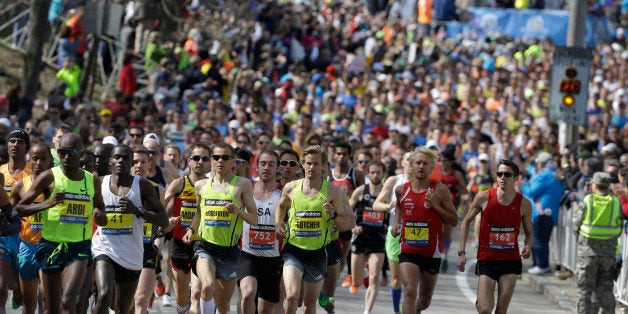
(153, 152)
(292, 163)
(362, 161)
(197, 158)
(505, 174)
(68, 151)
(263, 142)
(135, 135)
(223, 157)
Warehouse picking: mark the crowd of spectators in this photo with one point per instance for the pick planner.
(288, 75)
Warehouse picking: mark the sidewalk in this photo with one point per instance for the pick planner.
(562, 292)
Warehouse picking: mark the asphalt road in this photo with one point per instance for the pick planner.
(455, 293)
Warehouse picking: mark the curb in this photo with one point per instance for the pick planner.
(562, 292)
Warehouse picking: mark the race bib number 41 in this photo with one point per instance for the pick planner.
(118, 223)
(502, 238)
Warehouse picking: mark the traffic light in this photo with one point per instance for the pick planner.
(570, 86)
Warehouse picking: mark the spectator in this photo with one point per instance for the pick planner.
(69, 74)
(545, 191)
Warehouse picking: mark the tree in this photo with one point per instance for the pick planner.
(38, 34)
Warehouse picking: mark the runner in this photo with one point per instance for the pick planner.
(423, 206)
(289, 166)
(392, 242)
(347, 179)
(260, 274)
(223, 202)
(369, 235)
(116, 247)
(152, 242)
(41, 160)
(18, 144)
(314, 206)
(65, 248)
(499, 260)
(102, 156)
(181, 200)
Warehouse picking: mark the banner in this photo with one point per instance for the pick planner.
(529, 24)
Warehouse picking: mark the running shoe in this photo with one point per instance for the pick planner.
(160, 289)
(354, 289)
(347, 281)
(384, 281)
(165, 301)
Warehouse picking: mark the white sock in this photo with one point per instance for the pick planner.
(367, 312)
(208, 307)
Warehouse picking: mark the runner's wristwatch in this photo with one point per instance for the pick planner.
(462, 252)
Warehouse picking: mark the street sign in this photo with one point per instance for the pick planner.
(569, 86)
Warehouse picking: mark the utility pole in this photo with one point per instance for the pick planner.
(575, 38)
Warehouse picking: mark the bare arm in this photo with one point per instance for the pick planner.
(461, 183)
(348, 214)
(335, 205)
(44, 182)
(173, 190)
(477, 205)
(16, 191)
(359, 178)
(244, 196)
(526, 221)
(100, 218)
(444, 206)
(196, 221)
(396, 230)
(356, 196)
(282, 209)
(155, 212)
(382, 202)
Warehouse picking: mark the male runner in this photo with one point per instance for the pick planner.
(260, 274)
(18, 144)
(65, 248)
(152, 242)
(181, 205)
(224, 201)
(392, 242)
(116, 247)
(314, 205)
(41, 160)
(499, 260)
(423, 206)
(347, 179)
(369, 235)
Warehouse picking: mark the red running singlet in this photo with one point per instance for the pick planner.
(499, 229)
(421, 226)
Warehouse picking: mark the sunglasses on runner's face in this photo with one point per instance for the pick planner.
(505, 174)
(292, 163)
(197, 158)
(223, 157)
(68, 151)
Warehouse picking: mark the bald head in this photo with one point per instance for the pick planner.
(71, 140)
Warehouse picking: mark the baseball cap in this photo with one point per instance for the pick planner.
(610, 148)
(484, 157)
(105, 112)
(234, 124)
(543, 158)
(151, 137)
(431, 143)
(602, 179)
(110, 140)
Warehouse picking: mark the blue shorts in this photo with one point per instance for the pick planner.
(29, 267)
(226, 259)
(55, 257)
(9, 249)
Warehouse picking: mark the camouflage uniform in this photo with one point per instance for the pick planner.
(595, 270)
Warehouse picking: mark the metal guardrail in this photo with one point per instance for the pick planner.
(621, 285)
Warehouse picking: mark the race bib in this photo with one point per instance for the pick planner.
(148, 232)
(8, 190)
(75, 209)
(118, 223)
(262, 237)
(308, 224)
(36, 221)
(373, 218)
(501, 238)
(188, 210)
(417, 233)
(216, 215)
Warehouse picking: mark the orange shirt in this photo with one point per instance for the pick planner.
(31, 226)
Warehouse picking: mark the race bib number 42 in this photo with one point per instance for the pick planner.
(502, 238)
